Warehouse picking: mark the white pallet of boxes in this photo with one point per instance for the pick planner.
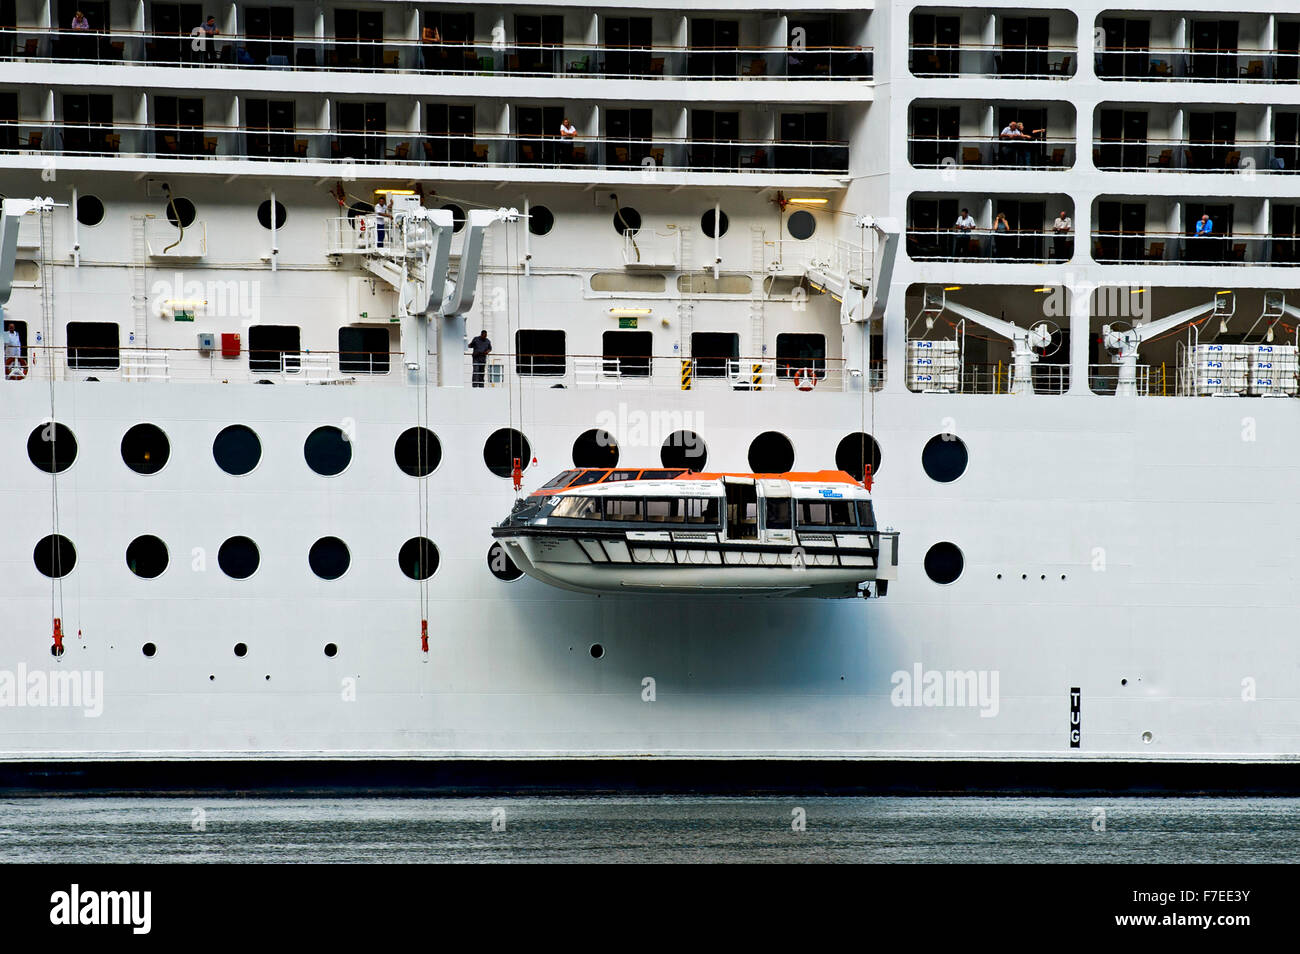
(1273, 369)
(1220, 368)
(933, 365)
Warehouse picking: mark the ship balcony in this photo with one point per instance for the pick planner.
(1152, 247)
(1202, 48)
(1000, 43)
(486, 57)
(1012, 229)
(965, 134)
(1195, 138)
(1171, 231)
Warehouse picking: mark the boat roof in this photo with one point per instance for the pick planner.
(599, 478)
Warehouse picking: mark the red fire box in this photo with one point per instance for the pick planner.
(229, 345)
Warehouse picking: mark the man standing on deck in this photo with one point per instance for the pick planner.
(13, 353)
(480, 348)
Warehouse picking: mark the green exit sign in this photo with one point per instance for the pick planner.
(627, 322)
(183, 316)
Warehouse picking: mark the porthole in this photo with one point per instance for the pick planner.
(181, 213)
(457, 216)
(597, 650)
(55, 556)
(90, 210)
(595, 448)
(540, 219)
(855, 451)
(52, 447)
(149, 649)
(145, 449)
(264, 214)
(771, 453)
(418, 452)
(627, 220)
(329, 558)
(502, 448)
(238, 558)
(1147, 737)
(801, 225)
(328, 451)
(706, 223)
(684, 449)
(241, 650)
(502, 567)
(146, 557)
(418, 558)
(943, 562)
(331, 650)
(237, 449)
(944, 458)
(56, 651)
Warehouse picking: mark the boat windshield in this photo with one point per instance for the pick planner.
(560, 480)
(578, 508)
(827, 513)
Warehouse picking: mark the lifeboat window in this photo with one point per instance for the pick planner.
(624, 508)
(622, 475)
(660, 474)
(562, 480)
(702, 510)
(826, 513)
(661, 510)
(578, 508)
(778, 514)
(866, 514)
(588, 477)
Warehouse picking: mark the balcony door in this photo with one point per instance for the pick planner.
(1215, 248)
(1286, 233)
(1024, 46)
(451, 132)
(627, 42)
(1123, 140)
(180, 125)
(270, 124)
(1286, 139)
(713, 139)
(629, 132)
(81, 111)
(1124, 225)
(1212, 40)
(928, 221)
(270, 32)
(361, 128)
(1287, 64)
(936, 39)
(937, 129)
(1128, 47)
(803, 139)
(537, 42)
(713, 46)
(170, 22)
(1212, 136)
(1026, 218)
(362, 33)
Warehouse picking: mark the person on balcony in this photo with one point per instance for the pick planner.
(79, 21)
(961, 239)
(381, 219)
(1001, 232)
(14, 367)
(1009, 151)
(1061, 229)
(479, 349)
(209, 30)
(568, 135)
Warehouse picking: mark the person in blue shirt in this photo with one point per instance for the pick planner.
(1205, 226)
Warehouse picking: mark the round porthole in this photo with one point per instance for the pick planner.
(328, 451)
(149, 649)
(418, 558)
(944, 458)
(457, 217)
(52, 447)
(597, 650)
(540, 220)
(418, 452)
(241, 650)
(801, 224)
(329, 558)
(627, 220)
(595, 448)
(1147, 737)
(331, 650)
(237, 449)
(771, 453)
(707, 225)
(90, 210)
(181, 212)
(55, 556)
(264, 214)
(146, 557)
(145, 449)
(943, 562)
(684, 449)
(502, 448)
(238, 558)
(502, 567)
(855, 451)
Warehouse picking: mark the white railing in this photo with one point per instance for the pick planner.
(645, 249)
(145, 365)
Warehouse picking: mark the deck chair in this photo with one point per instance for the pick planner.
(1156, 252)
(1162, 161)
(971, 156)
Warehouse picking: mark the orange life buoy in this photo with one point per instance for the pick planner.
(804, 381)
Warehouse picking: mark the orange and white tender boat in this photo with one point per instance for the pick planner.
(625, 530)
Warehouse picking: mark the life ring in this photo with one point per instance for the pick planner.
(804, 380)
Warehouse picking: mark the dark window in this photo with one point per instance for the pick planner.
(363, 350)
(328, 451)
(418, 452)
(271, 128)
(616, 475)
(500, 564)
(706, 223)
(943, 562)
(93, 345)
(778, 513)
(800, 352)
(457, 216)
(801, 224)
(147, 556)
(502, 448)
(711, 350)
(628, 352)
(627, 220)
(55, 556)
(52, 447)
(827, 513)
(540, 220)
(560, 480)
(854, 452)
(237, 449)
(771, 453)
(145, 449)
(624, 508)
(264, 214)
(684, 449)
(944, 458)
(539, 352)
(595, 448)
(587, 477)
(90, 210)
(329, 558)
(361, 129)
(274, 347)
(238, 558)
(181, 213)
(866, 514)
(418, 558)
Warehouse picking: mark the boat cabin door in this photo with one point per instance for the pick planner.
(777, 511)
(742, 508)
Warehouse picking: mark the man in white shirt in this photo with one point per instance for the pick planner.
(1061, 236)
(568, 133)
(13, 353)
(961, 240)
(381, 219)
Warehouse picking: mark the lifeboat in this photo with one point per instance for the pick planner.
(596, 530)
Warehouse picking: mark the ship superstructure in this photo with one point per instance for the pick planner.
(297, 297)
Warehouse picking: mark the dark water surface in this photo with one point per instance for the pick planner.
(649, 829)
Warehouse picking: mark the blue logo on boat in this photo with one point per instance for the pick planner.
(827, 492)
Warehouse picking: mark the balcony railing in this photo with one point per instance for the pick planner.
(1179, 248)
(990, 151)
(1015, 245)
(400, 54)
(1004, 62)
(1181, 155)
(489, 149)
(1199, 66)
